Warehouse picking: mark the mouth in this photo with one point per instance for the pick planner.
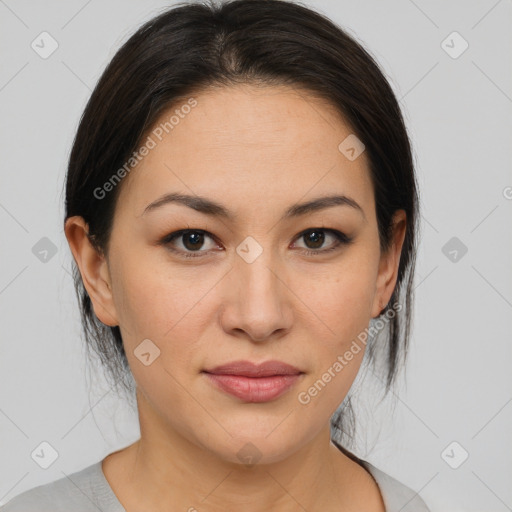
(252, 382)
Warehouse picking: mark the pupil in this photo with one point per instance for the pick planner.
(197, 239)
(317, 237)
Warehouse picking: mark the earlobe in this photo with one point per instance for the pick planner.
(93, 269)
(388, 266)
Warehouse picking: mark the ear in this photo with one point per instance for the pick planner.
(93, 268)
(388, 266)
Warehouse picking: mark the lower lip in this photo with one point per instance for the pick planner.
(254, 389)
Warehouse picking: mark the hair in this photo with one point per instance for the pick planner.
(192, 47)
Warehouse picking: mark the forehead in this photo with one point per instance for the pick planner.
(250, 148)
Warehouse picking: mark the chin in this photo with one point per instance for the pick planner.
(254, 446)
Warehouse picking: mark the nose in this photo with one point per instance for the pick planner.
(257, 303)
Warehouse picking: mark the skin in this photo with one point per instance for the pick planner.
(257, 151)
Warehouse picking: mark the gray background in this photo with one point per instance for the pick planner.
(458, 113)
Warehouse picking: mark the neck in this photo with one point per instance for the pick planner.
(165, 471)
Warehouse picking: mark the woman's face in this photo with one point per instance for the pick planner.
(265, 280)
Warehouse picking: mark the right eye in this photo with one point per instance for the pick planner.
(191, 241)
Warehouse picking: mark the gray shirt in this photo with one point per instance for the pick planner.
(89, 491)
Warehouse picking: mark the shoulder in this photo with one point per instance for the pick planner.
(82, 491)
(396, 495)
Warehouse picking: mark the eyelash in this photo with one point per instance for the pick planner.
(341, 239)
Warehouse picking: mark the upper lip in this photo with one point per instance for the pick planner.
(250, 369)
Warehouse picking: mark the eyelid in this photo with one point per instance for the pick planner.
(177, 234)
(341, 239)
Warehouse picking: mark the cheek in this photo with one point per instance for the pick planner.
(342, 297)
(342, 305)
(163, 303)
(167, 303)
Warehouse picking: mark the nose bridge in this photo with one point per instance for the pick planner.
(258, 307)
(255, 270)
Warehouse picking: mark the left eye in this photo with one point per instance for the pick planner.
(316, 236)
(193, 239)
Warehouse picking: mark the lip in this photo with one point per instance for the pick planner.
(253, 382)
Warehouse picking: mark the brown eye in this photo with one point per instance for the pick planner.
(192, 241)
(315, 238)
(189, 243)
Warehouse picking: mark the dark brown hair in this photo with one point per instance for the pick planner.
(192, 46)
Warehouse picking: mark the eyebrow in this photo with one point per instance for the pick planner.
(214, 209)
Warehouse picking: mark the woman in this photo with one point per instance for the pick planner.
(241, 205)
